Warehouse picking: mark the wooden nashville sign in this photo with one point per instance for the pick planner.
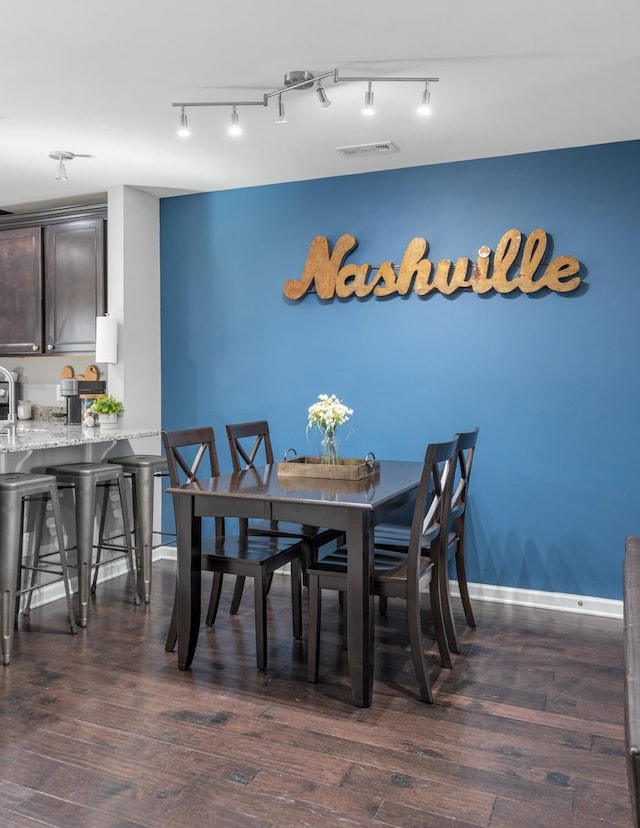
(326, 271)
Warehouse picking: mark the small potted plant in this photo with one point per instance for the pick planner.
(107, 408)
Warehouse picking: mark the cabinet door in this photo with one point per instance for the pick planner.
(74, 278)
(21, 291)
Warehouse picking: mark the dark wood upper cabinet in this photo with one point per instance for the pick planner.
(74, 280)
(21, 291)
(52, 281)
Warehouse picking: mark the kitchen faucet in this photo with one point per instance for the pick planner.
(10, 423)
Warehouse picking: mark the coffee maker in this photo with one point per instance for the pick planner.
(76, 391)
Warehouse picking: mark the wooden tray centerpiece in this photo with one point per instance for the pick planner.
(344, 469)
(327, 414)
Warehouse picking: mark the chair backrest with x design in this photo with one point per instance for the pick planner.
(192, 456)
(466, 450)
(433, 502)
(249, 444)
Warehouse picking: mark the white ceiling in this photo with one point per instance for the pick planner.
(100, 78)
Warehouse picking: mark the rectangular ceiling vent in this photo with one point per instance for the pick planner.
(368, 149)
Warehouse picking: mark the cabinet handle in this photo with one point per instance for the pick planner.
(34, 347)
(50, 347)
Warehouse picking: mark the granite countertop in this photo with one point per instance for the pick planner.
(31, 435)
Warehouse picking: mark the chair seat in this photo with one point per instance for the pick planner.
(251, 550)
(388, 566)
(392, 534)
(294, 530)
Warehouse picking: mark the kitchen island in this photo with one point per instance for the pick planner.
(33, 441)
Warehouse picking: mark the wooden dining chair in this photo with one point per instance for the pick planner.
(250, 445)
(192, 456)
(396, 537)
(399, 574)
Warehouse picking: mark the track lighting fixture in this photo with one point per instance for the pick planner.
(302, 80)
(425, 108)
(368, 102)
(235, 128)
(281, 118)
(325, 103)
(183, 125)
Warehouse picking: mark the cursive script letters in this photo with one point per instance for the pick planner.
(327, 272)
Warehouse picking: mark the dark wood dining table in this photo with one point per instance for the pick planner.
(353, 506)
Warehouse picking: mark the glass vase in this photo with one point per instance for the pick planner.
(329, 450)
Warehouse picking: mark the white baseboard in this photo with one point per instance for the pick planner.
(561, 601)
(538, 599)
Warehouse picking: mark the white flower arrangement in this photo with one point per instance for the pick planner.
(327, 414)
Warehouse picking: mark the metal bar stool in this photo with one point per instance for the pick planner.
(17, 489)
(142, 470)
(86, 478)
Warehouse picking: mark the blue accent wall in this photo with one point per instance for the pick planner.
(552, 380)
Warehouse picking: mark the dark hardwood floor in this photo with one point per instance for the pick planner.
(102, 730)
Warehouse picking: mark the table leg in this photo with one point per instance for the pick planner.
(360, 608)
(189, 550)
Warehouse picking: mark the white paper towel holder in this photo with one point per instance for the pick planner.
(107, 339)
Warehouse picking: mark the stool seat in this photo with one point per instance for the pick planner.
(143, 469)
(25, 483)
(156, 462)
(86, 478)
(16, 489)
(96, 472)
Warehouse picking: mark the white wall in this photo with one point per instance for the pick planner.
(134, 300)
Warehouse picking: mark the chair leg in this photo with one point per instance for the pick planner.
(438, 624)
(315, 614)
(414, 624)
(172, 632)
(461, 572)
(214, 599)
(296, 597)
(237, 594)
(447, 609)
(260, 612)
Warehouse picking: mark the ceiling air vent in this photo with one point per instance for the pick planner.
(368, 149)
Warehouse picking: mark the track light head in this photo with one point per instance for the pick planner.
(281, 118)
(368, 102)
(325, 103)
(183, 125)
(61, 156)
(425, 108)
(235, 129)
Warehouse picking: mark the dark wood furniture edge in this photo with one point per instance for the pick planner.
(631, 609)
